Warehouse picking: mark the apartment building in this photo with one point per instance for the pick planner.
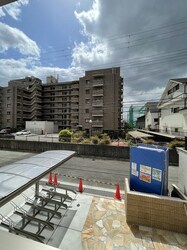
(93, 103)
(20, 101)
(100, 100)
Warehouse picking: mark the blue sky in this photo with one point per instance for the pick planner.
(147, 39)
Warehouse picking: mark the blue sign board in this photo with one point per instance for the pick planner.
(149, 169)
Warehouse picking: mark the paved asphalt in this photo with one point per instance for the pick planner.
(95, 172)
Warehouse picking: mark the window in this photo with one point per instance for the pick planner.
(87, 91)
(86, 111)
(8, 105)
(8, 113)
(87, 82)
(175, 110)
(176, 130)
(155, 119)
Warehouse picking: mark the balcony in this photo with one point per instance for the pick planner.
(74, 99)
(98, 82)
(97, 112)
(74, 106)
(75, 92)
(97, 124)
(97, 92)
(171, 99)
(97, 103)
(74, 86)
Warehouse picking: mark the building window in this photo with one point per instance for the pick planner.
(8, 105)
(175, 110)
(87, 111)
(8, 113)
(87, 82)
(176, 130)
(155, 119)
(87, 91)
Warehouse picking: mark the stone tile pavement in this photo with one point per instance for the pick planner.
(106, 228)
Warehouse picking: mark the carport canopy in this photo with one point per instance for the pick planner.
(17, 177)
(138, 135)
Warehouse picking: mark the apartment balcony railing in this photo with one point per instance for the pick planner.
(74, 106)
(97, 103)
(74, 92)
(74, 99)
(75, 86)
(97, 112)
(172, 99)
(97, 93)
(97, 123)
(98, 82)
(74, 112)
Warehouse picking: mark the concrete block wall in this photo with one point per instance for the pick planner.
(122, 153)
(155, 211)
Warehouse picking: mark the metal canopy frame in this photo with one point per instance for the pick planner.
(17, 177)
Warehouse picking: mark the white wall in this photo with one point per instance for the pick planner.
(149, 120)
(171, 120)
(40, 127)
(182, 181)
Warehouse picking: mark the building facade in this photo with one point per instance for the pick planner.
(94, 102)
(152, 116)
(173, 108)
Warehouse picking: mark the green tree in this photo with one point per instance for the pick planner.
(65, 135)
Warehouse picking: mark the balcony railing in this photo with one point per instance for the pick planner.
(97, 93)
(98, 82)
(97, 103)
(97, 112)
(97, 123)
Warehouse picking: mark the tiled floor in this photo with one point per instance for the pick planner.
(106, 228)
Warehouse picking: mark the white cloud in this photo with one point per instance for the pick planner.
(14, 9)
(2, 13)
(14, 38)
(14, 69)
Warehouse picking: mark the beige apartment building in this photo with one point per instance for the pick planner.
(92, 103)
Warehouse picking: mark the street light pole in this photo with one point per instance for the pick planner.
(90, 121)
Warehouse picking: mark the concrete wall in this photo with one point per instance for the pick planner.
(182, 181)
(155, 211)
(81, 149)
(40, 127)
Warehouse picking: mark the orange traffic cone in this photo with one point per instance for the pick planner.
(50, 179)
(117, 195)
(55, 180)
(80, 186)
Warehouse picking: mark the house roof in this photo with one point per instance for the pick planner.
(180, 80)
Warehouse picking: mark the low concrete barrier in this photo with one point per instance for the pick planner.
(155, 211)
(81, 149)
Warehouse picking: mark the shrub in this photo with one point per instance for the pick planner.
(149, 141)
(95, 139)
(176, 143)
(65, 135)
(86, 141)
(105, 141)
